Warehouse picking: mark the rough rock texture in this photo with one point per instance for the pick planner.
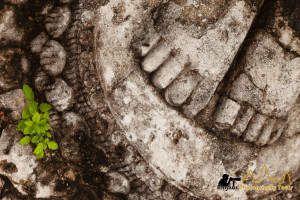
(9, 32)
(151, 99)
(74, 129)
(16, 161)
(60, 95)
(118, 183)
(14, 101)
(57, 21)
(38, 42)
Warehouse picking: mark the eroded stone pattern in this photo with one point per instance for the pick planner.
(9, 32)
(53, 57)
(85, 63)
(12, 63)
(57, 20)
(228, 100)
(60, 95)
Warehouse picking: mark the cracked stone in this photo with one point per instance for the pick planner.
(21, 159)
(61, 96)
(118, 183)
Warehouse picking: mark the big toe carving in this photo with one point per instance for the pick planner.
(210, 60)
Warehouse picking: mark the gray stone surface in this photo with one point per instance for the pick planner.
(276, 72)
(41, 80)
(227, 112)
(9, 32)
(38, 42)
(22, 161)
(255, 126)
(167, 73)
(14, 101)
(244, 90)
(73, 126)
(178, 92)
(61, 96)
(118, 183)
(242, 121)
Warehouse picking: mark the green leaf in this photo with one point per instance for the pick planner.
(49, 135)
(36, 117)
(36, 128)
(35, 139)
(21, 121)
(29, 123)
(43, 134)
(46, 115)
(52, 145)
(40, 155)
(42, 129)
(27, 130)
(25, 140)
(45, 146)
(43, 122)
(44, 107)
(39, 148)
(47, 141)
(28, 92)
(26, 114)
(21, 125)
(32, 106)
(47, 126)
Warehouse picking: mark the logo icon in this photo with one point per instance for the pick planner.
(227, 183)
(275, 180)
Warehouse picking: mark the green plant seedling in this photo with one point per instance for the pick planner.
(34, 124)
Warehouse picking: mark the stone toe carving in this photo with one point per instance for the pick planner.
(180, 89)
(152, 127)
(154, 99)
(202, 55)
(58, 20)
(61, 96)
(266, 89)
(53, 57)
